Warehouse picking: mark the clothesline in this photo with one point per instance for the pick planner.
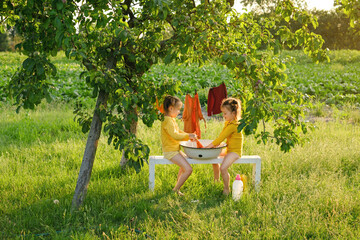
(193, 112)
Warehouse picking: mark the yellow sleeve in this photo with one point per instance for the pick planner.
(226, 132)
(174, 132)
(181, 131)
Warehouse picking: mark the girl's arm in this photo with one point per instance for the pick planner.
(226, 132)
(171, 130)
(192, 136)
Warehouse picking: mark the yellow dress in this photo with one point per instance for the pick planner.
(234, 138)
(171, 135)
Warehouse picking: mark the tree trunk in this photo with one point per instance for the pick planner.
(89, 154)
(133, 129)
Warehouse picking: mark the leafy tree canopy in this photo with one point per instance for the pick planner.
(117, 41)
(268, 6)
(352, 9)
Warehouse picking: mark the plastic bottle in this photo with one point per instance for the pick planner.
(238, 187)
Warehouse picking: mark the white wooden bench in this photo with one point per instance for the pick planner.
(254, 159)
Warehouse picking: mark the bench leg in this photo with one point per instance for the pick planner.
(151, 175)
(257, 175)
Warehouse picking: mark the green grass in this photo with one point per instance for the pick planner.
(313, 192)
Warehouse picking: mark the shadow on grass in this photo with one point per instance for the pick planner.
(47, 219)
(118, 202)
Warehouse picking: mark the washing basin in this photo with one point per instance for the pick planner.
(191, 150)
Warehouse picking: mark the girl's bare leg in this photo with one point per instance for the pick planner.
(179, 174)
(228, 160)
(216, 168)
(184, 172)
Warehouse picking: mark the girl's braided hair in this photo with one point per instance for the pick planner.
(170, 101)
(233, 105)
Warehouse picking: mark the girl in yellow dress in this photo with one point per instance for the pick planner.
(171, 136)
(231, 109)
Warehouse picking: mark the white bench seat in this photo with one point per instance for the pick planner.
(253, 159)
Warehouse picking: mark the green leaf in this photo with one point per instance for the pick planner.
(30, 3)
(277, 47)
(240, 59)
(58, 37)
(241, 125)
(168, 58)
(352, 24)
(29, 64)
(40, 69)
(57, 23)
(124, 35)
(103, 115)
(59, 5)
(225, 57)
(83, 55)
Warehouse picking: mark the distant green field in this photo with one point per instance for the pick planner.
(334, 83)
(337, 82)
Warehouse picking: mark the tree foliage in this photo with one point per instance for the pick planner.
(334, 27)
(268, 6)
(352, 9)
(116, 42)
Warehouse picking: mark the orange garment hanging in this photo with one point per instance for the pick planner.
(192, 114)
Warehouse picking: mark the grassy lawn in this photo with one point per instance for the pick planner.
(311, 192)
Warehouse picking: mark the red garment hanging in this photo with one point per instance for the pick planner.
(215, 97)
(192, 114)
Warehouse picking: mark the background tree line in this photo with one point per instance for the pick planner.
(334, 27)
(8, 40)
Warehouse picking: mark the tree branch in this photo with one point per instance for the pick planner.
(3, 19)
(264, 125)
(128, 11)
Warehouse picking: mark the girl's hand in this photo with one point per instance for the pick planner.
(210, 146)
(192, 136)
